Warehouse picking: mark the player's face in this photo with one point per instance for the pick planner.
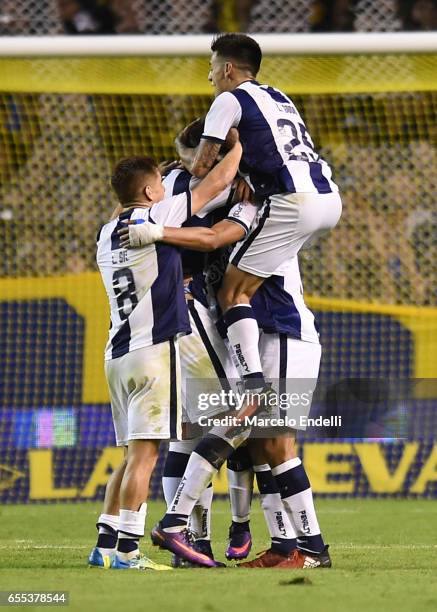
(218, 69)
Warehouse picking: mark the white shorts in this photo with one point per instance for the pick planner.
(293, 367)
(204, 358)
(144, 389)
(284, 224)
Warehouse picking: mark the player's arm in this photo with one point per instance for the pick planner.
(225, 113)
(166, 214)
(226, 232)
(217, 179)
(203, 238)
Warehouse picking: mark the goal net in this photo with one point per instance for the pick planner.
(65, 118)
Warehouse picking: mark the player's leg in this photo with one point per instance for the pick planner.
(107, 523)
(150, 379)
(204, 462)
(204, 357)
(200, 519)
(176, 461)
(285, 223)
(234, 296)
(281, 530)
(302, 368)
(296, 492)
(240, 484)
(134, 489)
(282, 533)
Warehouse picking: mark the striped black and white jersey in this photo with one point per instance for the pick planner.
(278, 153)
(178, 181)
(279, 305)
(144, 285)
(194, 262)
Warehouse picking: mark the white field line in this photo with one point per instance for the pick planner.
(28, 545)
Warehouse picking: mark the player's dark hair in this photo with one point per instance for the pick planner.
(241, 49)
(124, 179)
(192, 135)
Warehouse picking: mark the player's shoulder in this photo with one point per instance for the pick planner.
(225, 99)
(169, 202)
(106, 229)
(176, 181)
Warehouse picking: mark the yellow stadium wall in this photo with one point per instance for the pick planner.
(86, 294)
(334, 468)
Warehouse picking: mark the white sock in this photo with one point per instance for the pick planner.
(131, 527)
(240, 485)
(170, 486)
(175, 464)
(278, 522)
(243, 335)
(300, 504)
(200, 519)
(108, 524)
(109, 519)
(198, 475)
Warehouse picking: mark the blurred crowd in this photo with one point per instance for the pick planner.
(196, 16)
(381, 147)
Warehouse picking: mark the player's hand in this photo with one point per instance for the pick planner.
(243, 192)
(167, 166)
(139, 233)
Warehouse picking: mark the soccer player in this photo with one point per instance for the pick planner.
(289, 178)
(289, 475)
(290, 349)
(203, 353)
(148, 313)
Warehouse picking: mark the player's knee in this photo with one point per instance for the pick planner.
(143, 452)
(278, 450)
(215, 450)
(240, 460)
(231, 296)
(237, 288)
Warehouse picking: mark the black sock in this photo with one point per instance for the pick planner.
(283, 546)
(107, 537)
(240, 527)
(106, 540)
(127, 544)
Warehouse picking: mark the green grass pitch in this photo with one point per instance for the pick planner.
(384, 554)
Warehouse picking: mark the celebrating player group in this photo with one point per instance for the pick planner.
(201, 269)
